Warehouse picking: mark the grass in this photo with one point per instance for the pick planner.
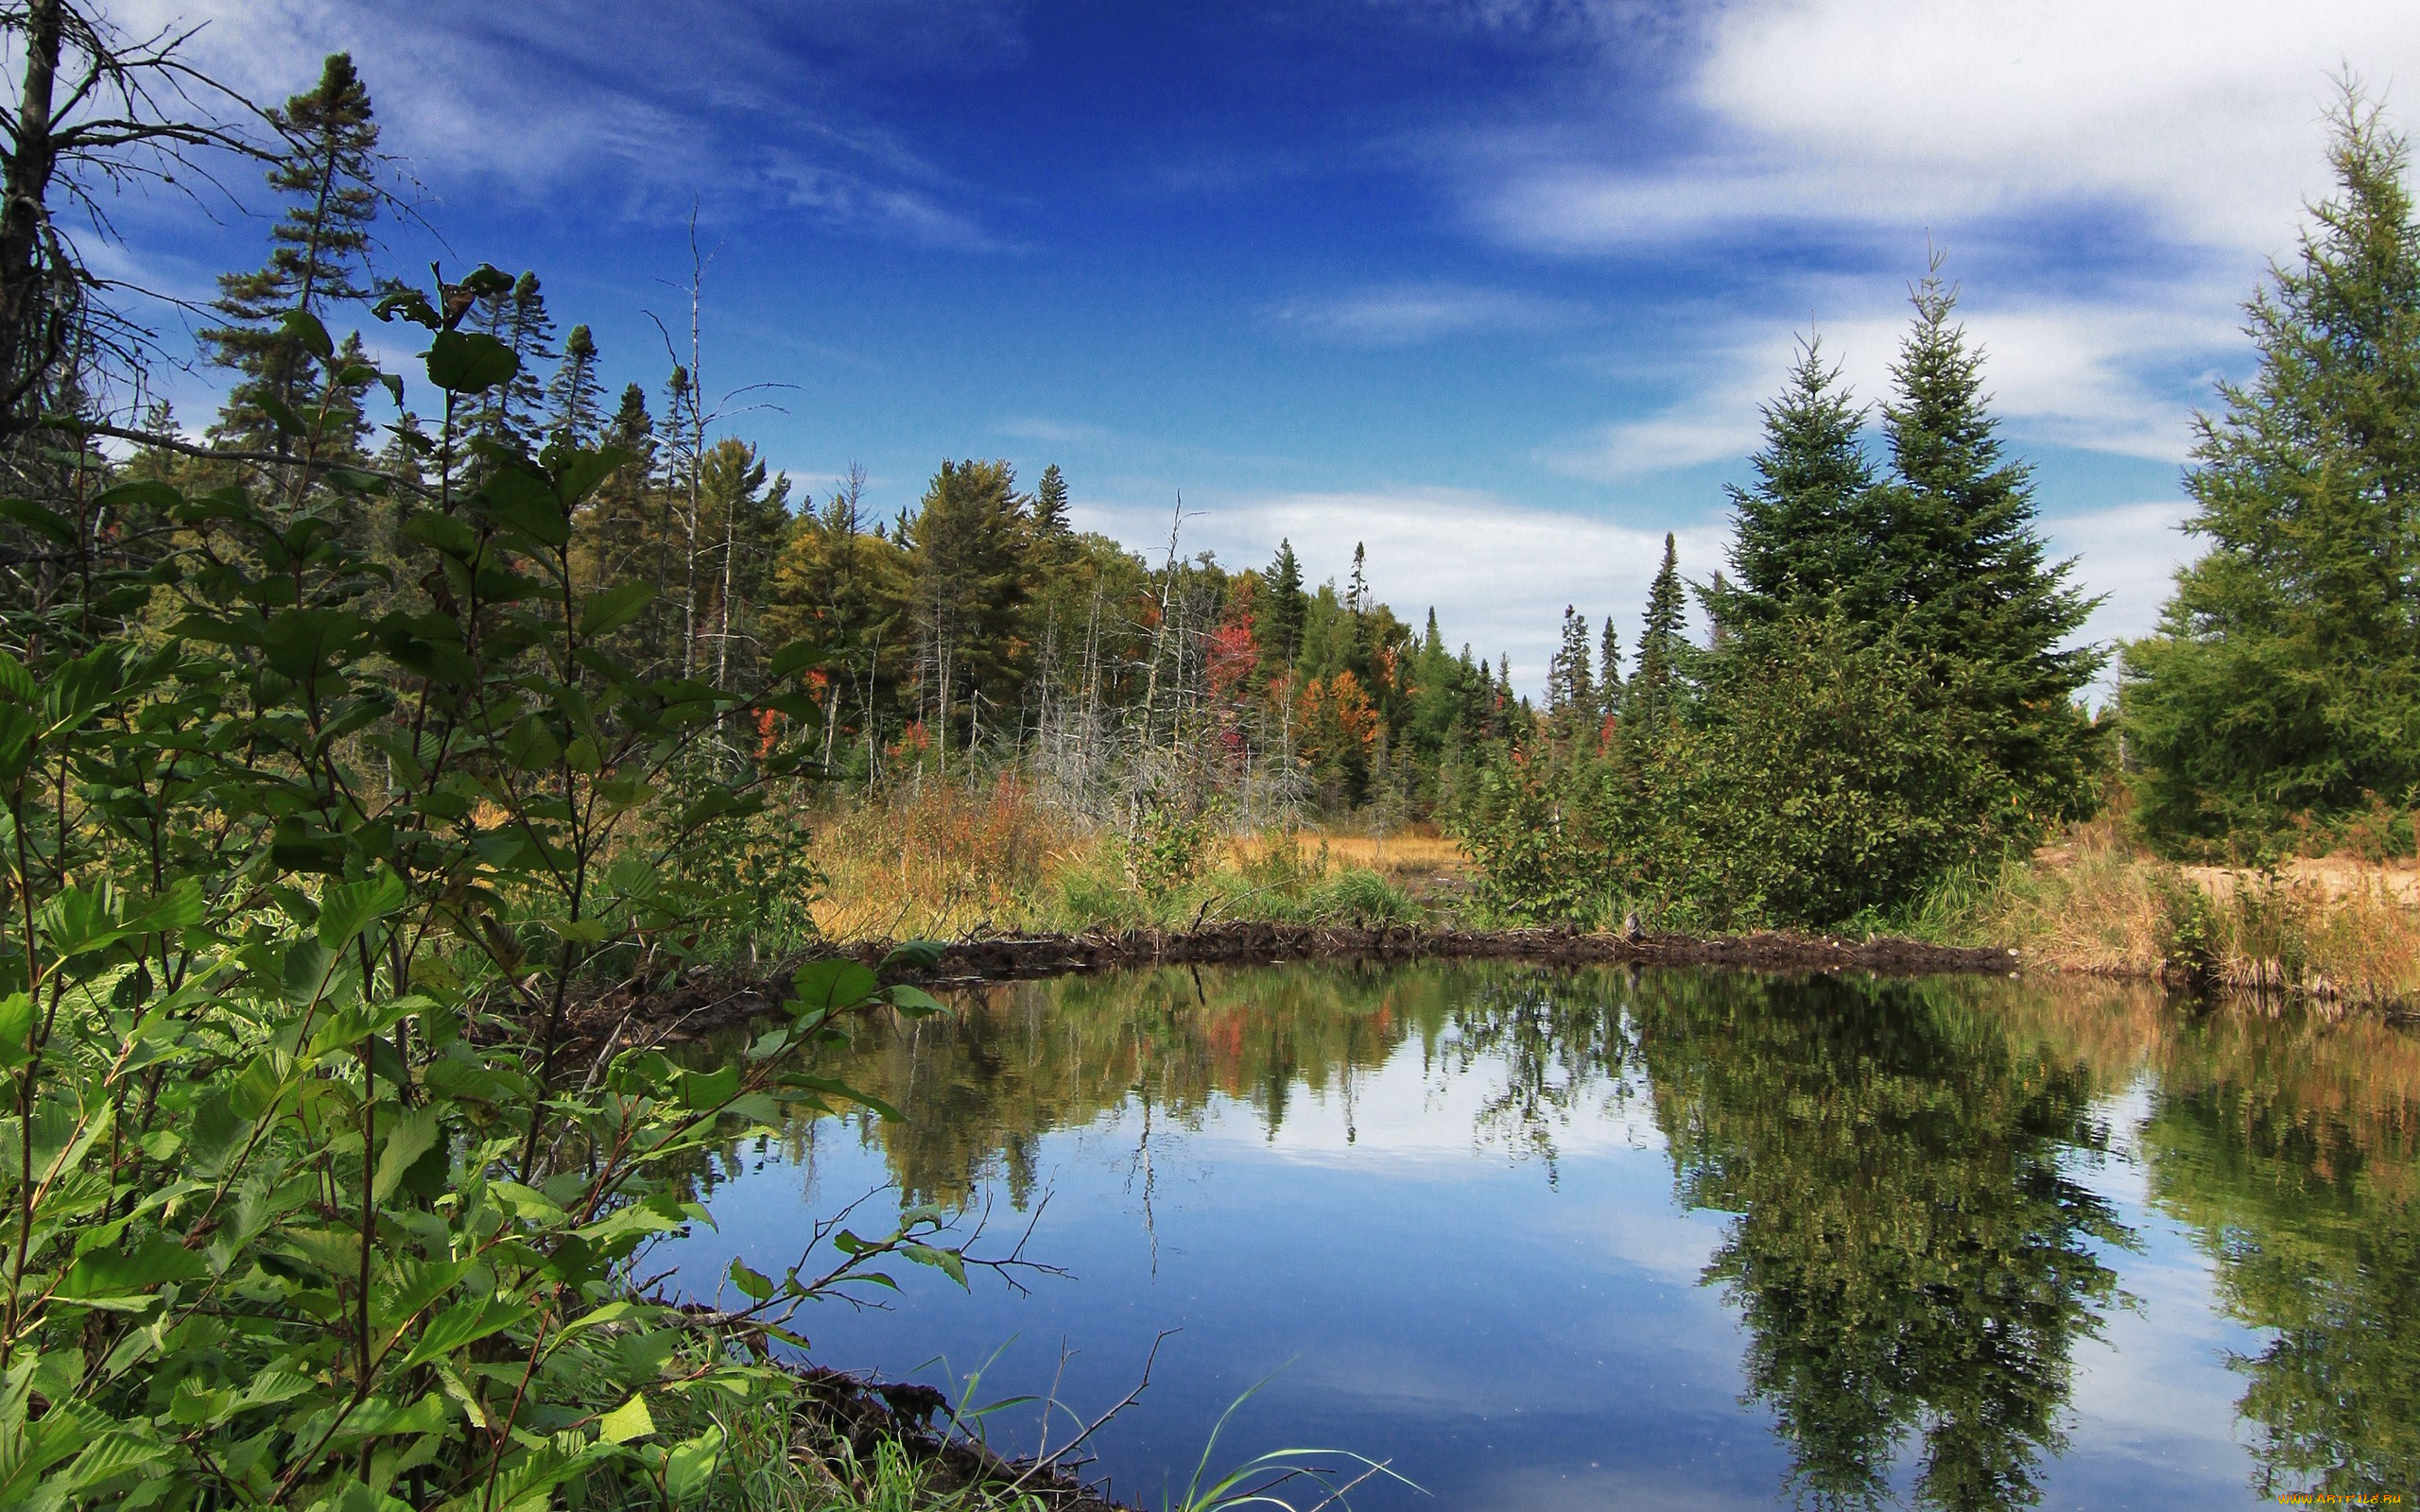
(2335, 929)
(953, 860)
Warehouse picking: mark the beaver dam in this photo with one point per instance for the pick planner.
(1541, 1235)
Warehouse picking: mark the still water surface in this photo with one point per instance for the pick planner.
(1546, 1239)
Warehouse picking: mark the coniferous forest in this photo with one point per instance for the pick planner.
(360, 739)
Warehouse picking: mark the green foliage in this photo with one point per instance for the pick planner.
(1811, 525)
(1280, 607)
(1884, 701)
(1830, 778)
(306, 1200)
(2285, 679)
(1534, 861)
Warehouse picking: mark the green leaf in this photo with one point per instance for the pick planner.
(112, 1273)
(39, 520)
(613, 608)
(16, 1029)
(413, 1135)
(15, 681)
(577, 473)
(303, 329)
(914, 955)
(831, 985)
(443, 532)
(628, 1421)
(796, 657)
(518, 496)
(915, 1002)
(690, 1467)
(466, 362)
(347, 909)
(755, 1284)
(466, 1322)
(702, 1091)
(281, 415)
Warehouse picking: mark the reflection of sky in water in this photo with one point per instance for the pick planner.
(1427, 1294)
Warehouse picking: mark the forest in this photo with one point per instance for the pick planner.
(354, 745)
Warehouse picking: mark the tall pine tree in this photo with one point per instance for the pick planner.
(1282, 607)
(1810, 525)
(1965, 578)
(575, 400)
(1572, 684)
(1050, 503)
(967, 539)
(318, 252)
(2285, 678)
(1652, 696)
(1609, 668)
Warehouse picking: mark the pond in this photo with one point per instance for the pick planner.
(1545, 1239)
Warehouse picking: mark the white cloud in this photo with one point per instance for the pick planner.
(2117, 171)
(2070, 373)
(625, 97)
(2204, 115)
(1405, 313)
(2129, 553)
(1498, 573)
(1056, 432)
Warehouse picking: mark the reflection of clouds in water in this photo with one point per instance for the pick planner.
(1421, 1110)
(2144, 1391)
(1672, 1248)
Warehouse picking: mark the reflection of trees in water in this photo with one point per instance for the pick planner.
(2290, 1151)
(1909, 1257)
(1560, 1042)
(1910, 1260)
(982, 1087)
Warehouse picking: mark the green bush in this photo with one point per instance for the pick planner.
(309, 1200)
(1823, 778)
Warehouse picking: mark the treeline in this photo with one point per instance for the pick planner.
(977, 629)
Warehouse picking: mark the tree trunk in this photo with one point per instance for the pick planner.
(30, 336)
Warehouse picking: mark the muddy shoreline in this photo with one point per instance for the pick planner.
(708, 1000)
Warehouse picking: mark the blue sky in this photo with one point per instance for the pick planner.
(1493, 286)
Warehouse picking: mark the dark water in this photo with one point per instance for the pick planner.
(1549, 1240)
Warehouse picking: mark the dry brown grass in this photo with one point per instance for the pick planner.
(941, 862)
(951, 859)
(2335, 928)
(1411, 855)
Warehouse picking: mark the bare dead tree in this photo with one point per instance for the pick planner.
(96, 114)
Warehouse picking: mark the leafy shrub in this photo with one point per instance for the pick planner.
(308, 1199)
(1825, 779)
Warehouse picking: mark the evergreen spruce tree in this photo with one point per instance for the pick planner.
(1571, 685)
(517, 317)
(2285, 677)
(968, 540)
(1050, 503)
(1652, 699)
(1609, 668)
(1809, 527)
(575, 402)
(624, 528)
(1281, 609)
(318, 258)
(1962, 574)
